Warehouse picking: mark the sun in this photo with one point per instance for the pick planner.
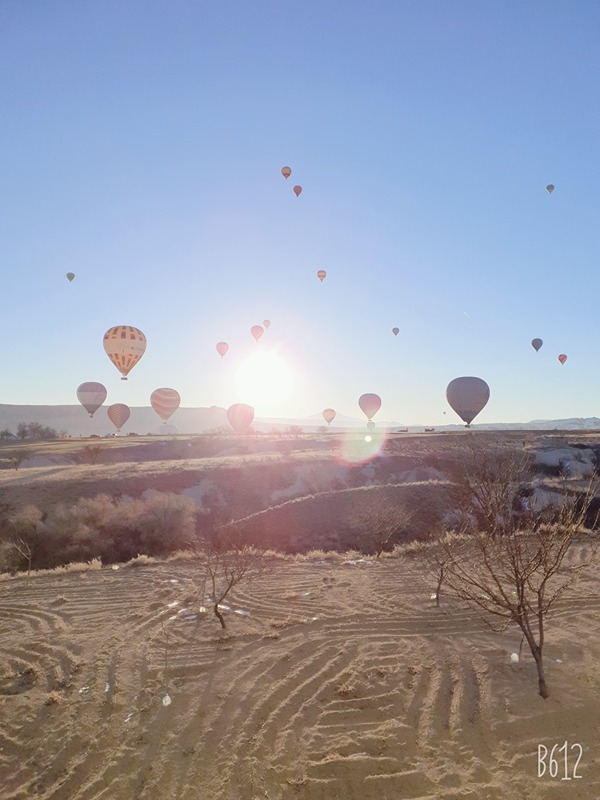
(265, 381)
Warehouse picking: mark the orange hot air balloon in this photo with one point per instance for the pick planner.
(369, 404)
(297, 191)
(329, 415)
(321, 275)
(91, 395)
(286, 172)
(562, 358)
(266, 322)
(165, 402)
(222, 348)
(257, 331)
(124, 345)
(240, 417)
(118, 414)
(395, 331)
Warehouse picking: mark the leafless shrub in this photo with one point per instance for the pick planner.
(379, 524)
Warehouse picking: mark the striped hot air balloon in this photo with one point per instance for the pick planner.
(124, 345)
(91, 395)
(165, 402)
(118, 414)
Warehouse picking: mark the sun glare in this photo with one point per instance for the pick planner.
(265, 381)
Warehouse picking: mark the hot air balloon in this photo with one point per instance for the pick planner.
(266, 322)
(91, 395)
(371, 426)
(286, 172)
(369, 404)
(467, 396)
(536, 344)
(257, 331)
(70, 276)
(562, 358)
(395, 331)
(329, 415)
(124, 345)
(321, 275)
(165, 402)
(297, 191)
(222, 348)
(240, 417)
(550, 188)
(118, 414)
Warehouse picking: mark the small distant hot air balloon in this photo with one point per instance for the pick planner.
(467, 396)
(70, 276)
(536, 344)
(266, 322)
(329, 415)
(257, 331)
(371, 426)
(165, 402)
(222, 348)
(562, 358)
(369, 404)
(395, 331)
(297, 191)
(240, 417)
(91, 395)
(321, 275)
(124, 345)
(286, 172)
(550, 188)
(118, 414)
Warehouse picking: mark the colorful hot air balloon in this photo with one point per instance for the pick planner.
(321, 275)
(329, 415)
(240, 417)
(550, 188)
(257, 331)
(222, 348)
(369, 404)
(286, 172)
(297, 191)
(467, 396)
(124, 345)
(562, 358)
(536, 344)
(266, 322)
(395, 331)
(70, 276)
(91, 395)
(165, 402)
(118, 414)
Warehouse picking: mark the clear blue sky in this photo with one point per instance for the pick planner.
(141, 144)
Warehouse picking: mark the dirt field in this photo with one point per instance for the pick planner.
(342, 681)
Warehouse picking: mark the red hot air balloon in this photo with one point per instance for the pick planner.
(321, 275)
(297, 191)
(165, 402)
(240, 417)
(369, 404)
(286, 172)
(257, 331)
(562, 358)
(91, 395)
(329, 415)
(222, 348)
(266, 322)
(118, 414)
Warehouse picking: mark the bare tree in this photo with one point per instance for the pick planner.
(17, 457)
(91, 453)
(22, 531)
(380, 523)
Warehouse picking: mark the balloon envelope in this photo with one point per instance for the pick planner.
(266, 322)
(118, 414)
(240, 417)
(328, 415)
(395, 331)
(124, 345)
(286, 172)
(536, 344)
(70, 275)
(91, 395)
(369, 404)
(467, 396)
(165, 402)
(321, 275)
(562, 358)
(257, 331)
(297, 190)
(550, 188)
(222, 348)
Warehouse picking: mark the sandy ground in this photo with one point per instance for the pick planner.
(342, 681)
